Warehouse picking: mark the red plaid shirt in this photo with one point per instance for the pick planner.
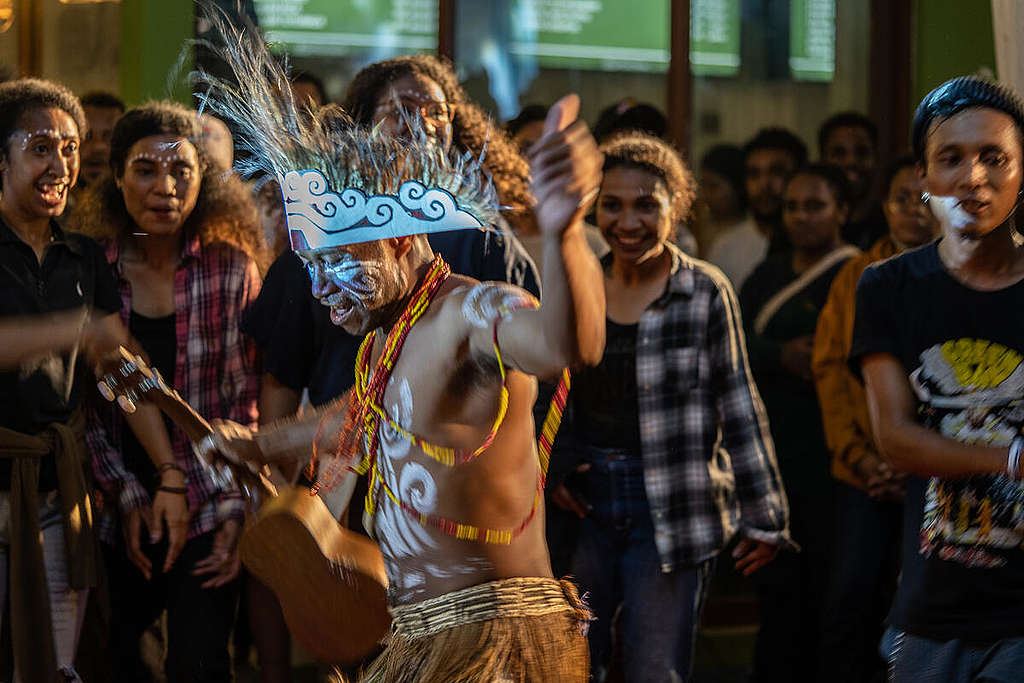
(216, 370)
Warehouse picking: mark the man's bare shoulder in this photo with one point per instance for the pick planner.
(476, 305)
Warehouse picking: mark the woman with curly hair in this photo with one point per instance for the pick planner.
(391, 91)
(185, 240)
(58, 303)
(658, 428)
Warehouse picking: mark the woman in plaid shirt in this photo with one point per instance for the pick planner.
(674, 454)
(184, 239)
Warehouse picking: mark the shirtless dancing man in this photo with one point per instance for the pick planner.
(460, 526)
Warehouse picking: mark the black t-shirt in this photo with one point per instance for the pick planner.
(963, 351)
(158, 339)
(74, 273)
(303, 349)
(605, 397)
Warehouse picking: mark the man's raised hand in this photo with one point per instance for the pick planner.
(565, 168)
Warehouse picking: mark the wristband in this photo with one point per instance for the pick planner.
(179, 490)
(1013, 458)
(166, 466)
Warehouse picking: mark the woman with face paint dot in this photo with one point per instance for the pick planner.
(57, 314)
(940, 343)
(185, 240)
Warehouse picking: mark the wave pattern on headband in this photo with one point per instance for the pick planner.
(319, 218)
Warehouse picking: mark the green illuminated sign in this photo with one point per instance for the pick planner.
(715, 37)
(340, 27)
(812, 39)
(608, 35)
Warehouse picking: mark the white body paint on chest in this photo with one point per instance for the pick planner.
(399, 535)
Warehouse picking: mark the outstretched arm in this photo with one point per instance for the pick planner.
(22, 338)
(568, 328)
(284, 441)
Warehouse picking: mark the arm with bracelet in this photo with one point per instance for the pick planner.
(916, 449)
(169, 506)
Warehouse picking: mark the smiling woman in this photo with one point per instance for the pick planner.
(51, 282)
(673, 381)
(184, 239)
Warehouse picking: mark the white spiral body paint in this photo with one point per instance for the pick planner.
(948, 211)
(412, 552)
(485, 302)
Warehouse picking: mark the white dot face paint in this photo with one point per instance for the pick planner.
(947, 211)
(45, 134)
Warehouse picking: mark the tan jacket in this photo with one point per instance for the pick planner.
(844, 409)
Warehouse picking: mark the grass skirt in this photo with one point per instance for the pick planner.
(522, 630)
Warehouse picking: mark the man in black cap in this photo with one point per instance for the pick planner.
(940, 341)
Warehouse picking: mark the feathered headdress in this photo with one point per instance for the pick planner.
(342, 183)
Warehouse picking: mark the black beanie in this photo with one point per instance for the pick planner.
(965, 92)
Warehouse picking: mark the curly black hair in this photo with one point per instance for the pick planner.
(225, 211)
(28, 94)
(657, 157)
(472, 129)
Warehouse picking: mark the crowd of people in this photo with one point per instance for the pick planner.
(810, 369)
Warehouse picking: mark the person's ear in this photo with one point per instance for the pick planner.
(401, 246)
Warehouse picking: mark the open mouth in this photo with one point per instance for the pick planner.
(341, 307)
(631, 242)
(164, 213)
(53, 193)
(341, 313)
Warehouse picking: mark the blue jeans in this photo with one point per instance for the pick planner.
(616, 561)
(913, 659)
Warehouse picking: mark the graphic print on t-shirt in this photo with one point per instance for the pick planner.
(970, 390)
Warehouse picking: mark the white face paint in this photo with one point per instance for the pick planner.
(357, 286)
(162, 160)
(947, 211)
(59, 135)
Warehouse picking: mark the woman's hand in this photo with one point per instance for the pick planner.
(171, 509)
(223, 562)
(751, 555)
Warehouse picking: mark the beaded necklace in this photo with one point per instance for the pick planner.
(359, 412)
(365, 409)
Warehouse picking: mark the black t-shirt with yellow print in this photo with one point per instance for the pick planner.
(963, 350)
